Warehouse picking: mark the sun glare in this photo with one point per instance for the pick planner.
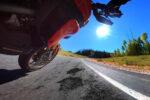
(103, 31)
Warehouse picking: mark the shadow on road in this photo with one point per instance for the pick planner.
(10, 75)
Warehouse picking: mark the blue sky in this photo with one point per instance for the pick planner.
(136, 19)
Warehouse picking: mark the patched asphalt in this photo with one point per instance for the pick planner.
(63, 79)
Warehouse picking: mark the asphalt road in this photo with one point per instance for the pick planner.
(70, 79)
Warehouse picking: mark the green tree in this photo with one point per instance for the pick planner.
(144, 37)
(134, 47)
(124, 47)
(146, 49)
(139, 46)
(117, 53)
(145, 44)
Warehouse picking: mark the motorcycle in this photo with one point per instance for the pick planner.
(32, 29)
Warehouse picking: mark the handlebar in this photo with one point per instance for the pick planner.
(103, 12)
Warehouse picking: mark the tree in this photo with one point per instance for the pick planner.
(144, 37)
(134, 48)
(146, 49)
(124, 46)
(117, 53)
(139, 46)
(93, 54)
(145, 44)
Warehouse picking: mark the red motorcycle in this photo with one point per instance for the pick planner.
(32, 29)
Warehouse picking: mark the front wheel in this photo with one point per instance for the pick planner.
(37, 58)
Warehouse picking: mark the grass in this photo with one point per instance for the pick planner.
(132, 63)
(143, 60)
(69, 54)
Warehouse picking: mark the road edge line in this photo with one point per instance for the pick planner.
(131, 92)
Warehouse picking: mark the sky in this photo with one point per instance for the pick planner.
(136, 20)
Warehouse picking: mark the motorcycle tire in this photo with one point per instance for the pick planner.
(24, 59)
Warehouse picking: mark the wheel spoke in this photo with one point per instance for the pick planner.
(39, 60)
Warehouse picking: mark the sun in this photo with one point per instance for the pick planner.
(103, 31)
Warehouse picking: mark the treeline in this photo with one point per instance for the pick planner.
(134, 47)
(93, 53)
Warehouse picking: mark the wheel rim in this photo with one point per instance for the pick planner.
(39, 60)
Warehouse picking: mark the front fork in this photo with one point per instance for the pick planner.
(55, 48)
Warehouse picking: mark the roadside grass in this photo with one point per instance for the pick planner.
(139, 61)
(69, 54)
(143, 60)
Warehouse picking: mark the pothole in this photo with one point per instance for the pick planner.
(70, 83)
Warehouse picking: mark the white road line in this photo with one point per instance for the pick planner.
(131, 92)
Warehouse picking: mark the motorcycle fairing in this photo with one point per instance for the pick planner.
(72, 25)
